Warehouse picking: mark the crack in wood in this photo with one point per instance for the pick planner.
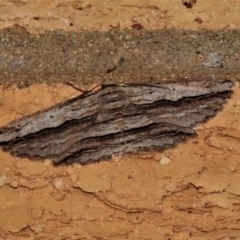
(118, 118)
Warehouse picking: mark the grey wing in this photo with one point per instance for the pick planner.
(168, 112)
(51, 133)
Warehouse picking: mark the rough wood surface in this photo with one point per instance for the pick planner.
(117, 118)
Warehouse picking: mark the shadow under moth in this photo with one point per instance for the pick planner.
(115, 119)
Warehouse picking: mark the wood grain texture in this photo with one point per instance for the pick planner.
(117, 118)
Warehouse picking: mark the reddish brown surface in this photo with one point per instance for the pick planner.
(194, 196)
(133, 196)
(38, 15)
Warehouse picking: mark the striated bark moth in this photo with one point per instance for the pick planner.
(117, 118)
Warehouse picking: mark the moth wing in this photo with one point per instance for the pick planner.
(168, 112)
(52, 132)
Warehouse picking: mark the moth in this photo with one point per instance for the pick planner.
(116, 118)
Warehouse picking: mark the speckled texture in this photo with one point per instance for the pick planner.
(115, 56)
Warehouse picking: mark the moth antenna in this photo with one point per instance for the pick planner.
(75, 87)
